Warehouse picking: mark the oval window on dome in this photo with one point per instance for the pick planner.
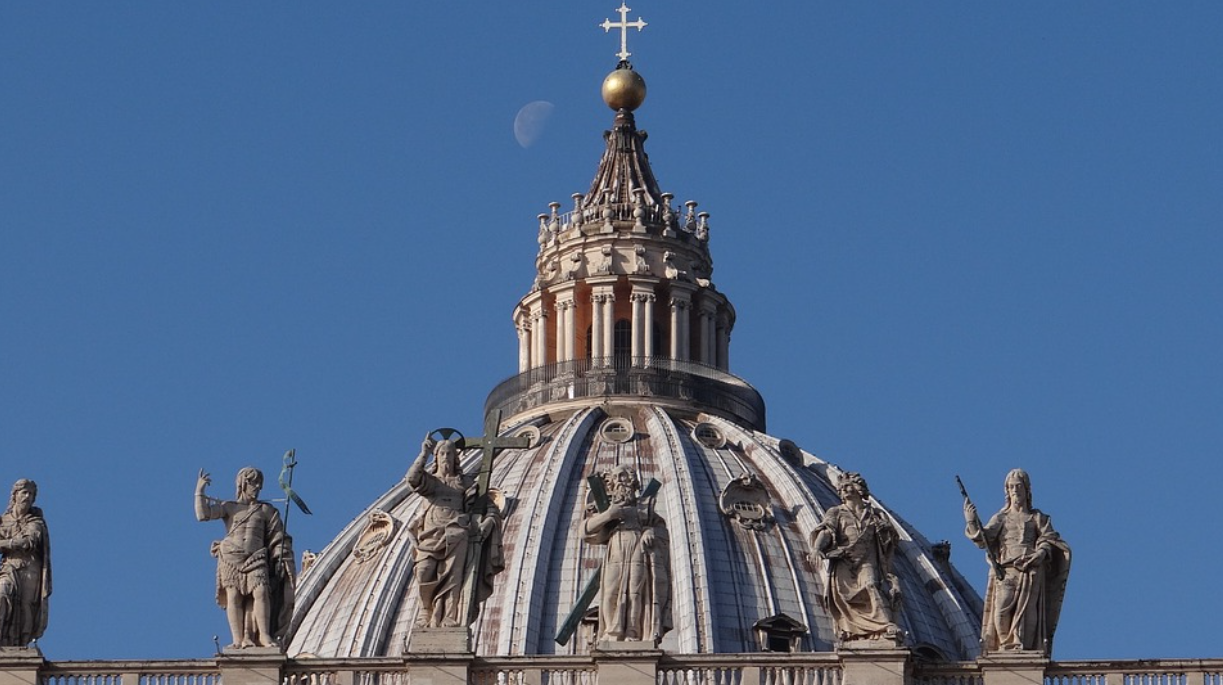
(790, 452)
(616, 430)
(708, 435)
(531, 433)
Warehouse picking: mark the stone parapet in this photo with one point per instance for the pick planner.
(611, 666)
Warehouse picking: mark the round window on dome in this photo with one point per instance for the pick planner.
(616, 430)
(708, 435)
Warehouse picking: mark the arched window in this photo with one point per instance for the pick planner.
(622, 342)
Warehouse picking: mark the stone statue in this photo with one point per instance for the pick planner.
(444, 532)
(255, 566)
(635, 581)
(858, 540)
(25, 568)
(1023, 598)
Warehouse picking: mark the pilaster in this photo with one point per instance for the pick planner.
(707, 310)
(566, 343)
(643, 298)
(681, 303)
(539, 336)
(523, 327)
(602, 324)
(723, 342)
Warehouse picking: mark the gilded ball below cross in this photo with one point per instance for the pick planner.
(624, 89)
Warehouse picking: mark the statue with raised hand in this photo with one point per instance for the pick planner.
(451, 535)
(25, 568)
(1023, 599)
(255, 567)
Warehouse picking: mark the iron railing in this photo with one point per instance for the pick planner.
(703, 386)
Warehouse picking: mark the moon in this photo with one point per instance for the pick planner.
(530, 122)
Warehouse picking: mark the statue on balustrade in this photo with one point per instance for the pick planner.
(858, 540)
(451, 535)
(255, 566)
(25, 568)
(1030, 563)
(635, 580)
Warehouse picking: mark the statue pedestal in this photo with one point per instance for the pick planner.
(20, 665)
(440, 656)
(874, 662)
(1013, 668)
(627, 663)
(440, 641)
(251, 665)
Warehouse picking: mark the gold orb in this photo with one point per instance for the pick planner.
(624, 89)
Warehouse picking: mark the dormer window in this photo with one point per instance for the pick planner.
(779, 633)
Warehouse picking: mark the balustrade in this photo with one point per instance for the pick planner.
(824, 668)
(658, 378)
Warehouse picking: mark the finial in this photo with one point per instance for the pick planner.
(623, 89)
(624, 25)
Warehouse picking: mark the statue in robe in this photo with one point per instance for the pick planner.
(25, 568)
(1023, 598)
(858, 540)
(635, 581)
(444, 534)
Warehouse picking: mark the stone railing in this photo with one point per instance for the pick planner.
(882, 667)
(658, 378)
(1156, 672)
(760, 669)
(193, 672)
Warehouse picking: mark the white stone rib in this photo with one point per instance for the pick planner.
(694, 623)
(526, 578)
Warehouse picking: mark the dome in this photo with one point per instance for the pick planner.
(729, 572)
(624, 362)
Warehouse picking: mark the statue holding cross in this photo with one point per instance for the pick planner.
(458, 535)
(635, 579)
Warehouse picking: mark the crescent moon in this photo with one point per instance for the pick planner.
(530, 121)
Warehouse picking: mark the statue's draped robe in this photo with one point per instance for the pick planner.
(271, 565)
(635, 586)
(856, 592)
(1022, 609)
(25, 578)
(442, 533)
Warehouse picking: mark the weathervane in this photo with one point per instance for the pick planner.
(624, 25)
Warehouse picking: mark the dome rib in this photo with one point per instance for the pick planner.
(316, 589)
(549, 476)
(694, 622)
(624, 167)
(779, 477)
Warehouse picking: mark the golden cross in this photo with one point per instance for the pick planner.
(624, 25)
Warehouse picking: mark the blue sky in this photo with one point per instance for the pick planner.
(960, 237)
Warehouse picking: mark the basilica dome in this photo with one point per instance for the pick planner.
(624, 362)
